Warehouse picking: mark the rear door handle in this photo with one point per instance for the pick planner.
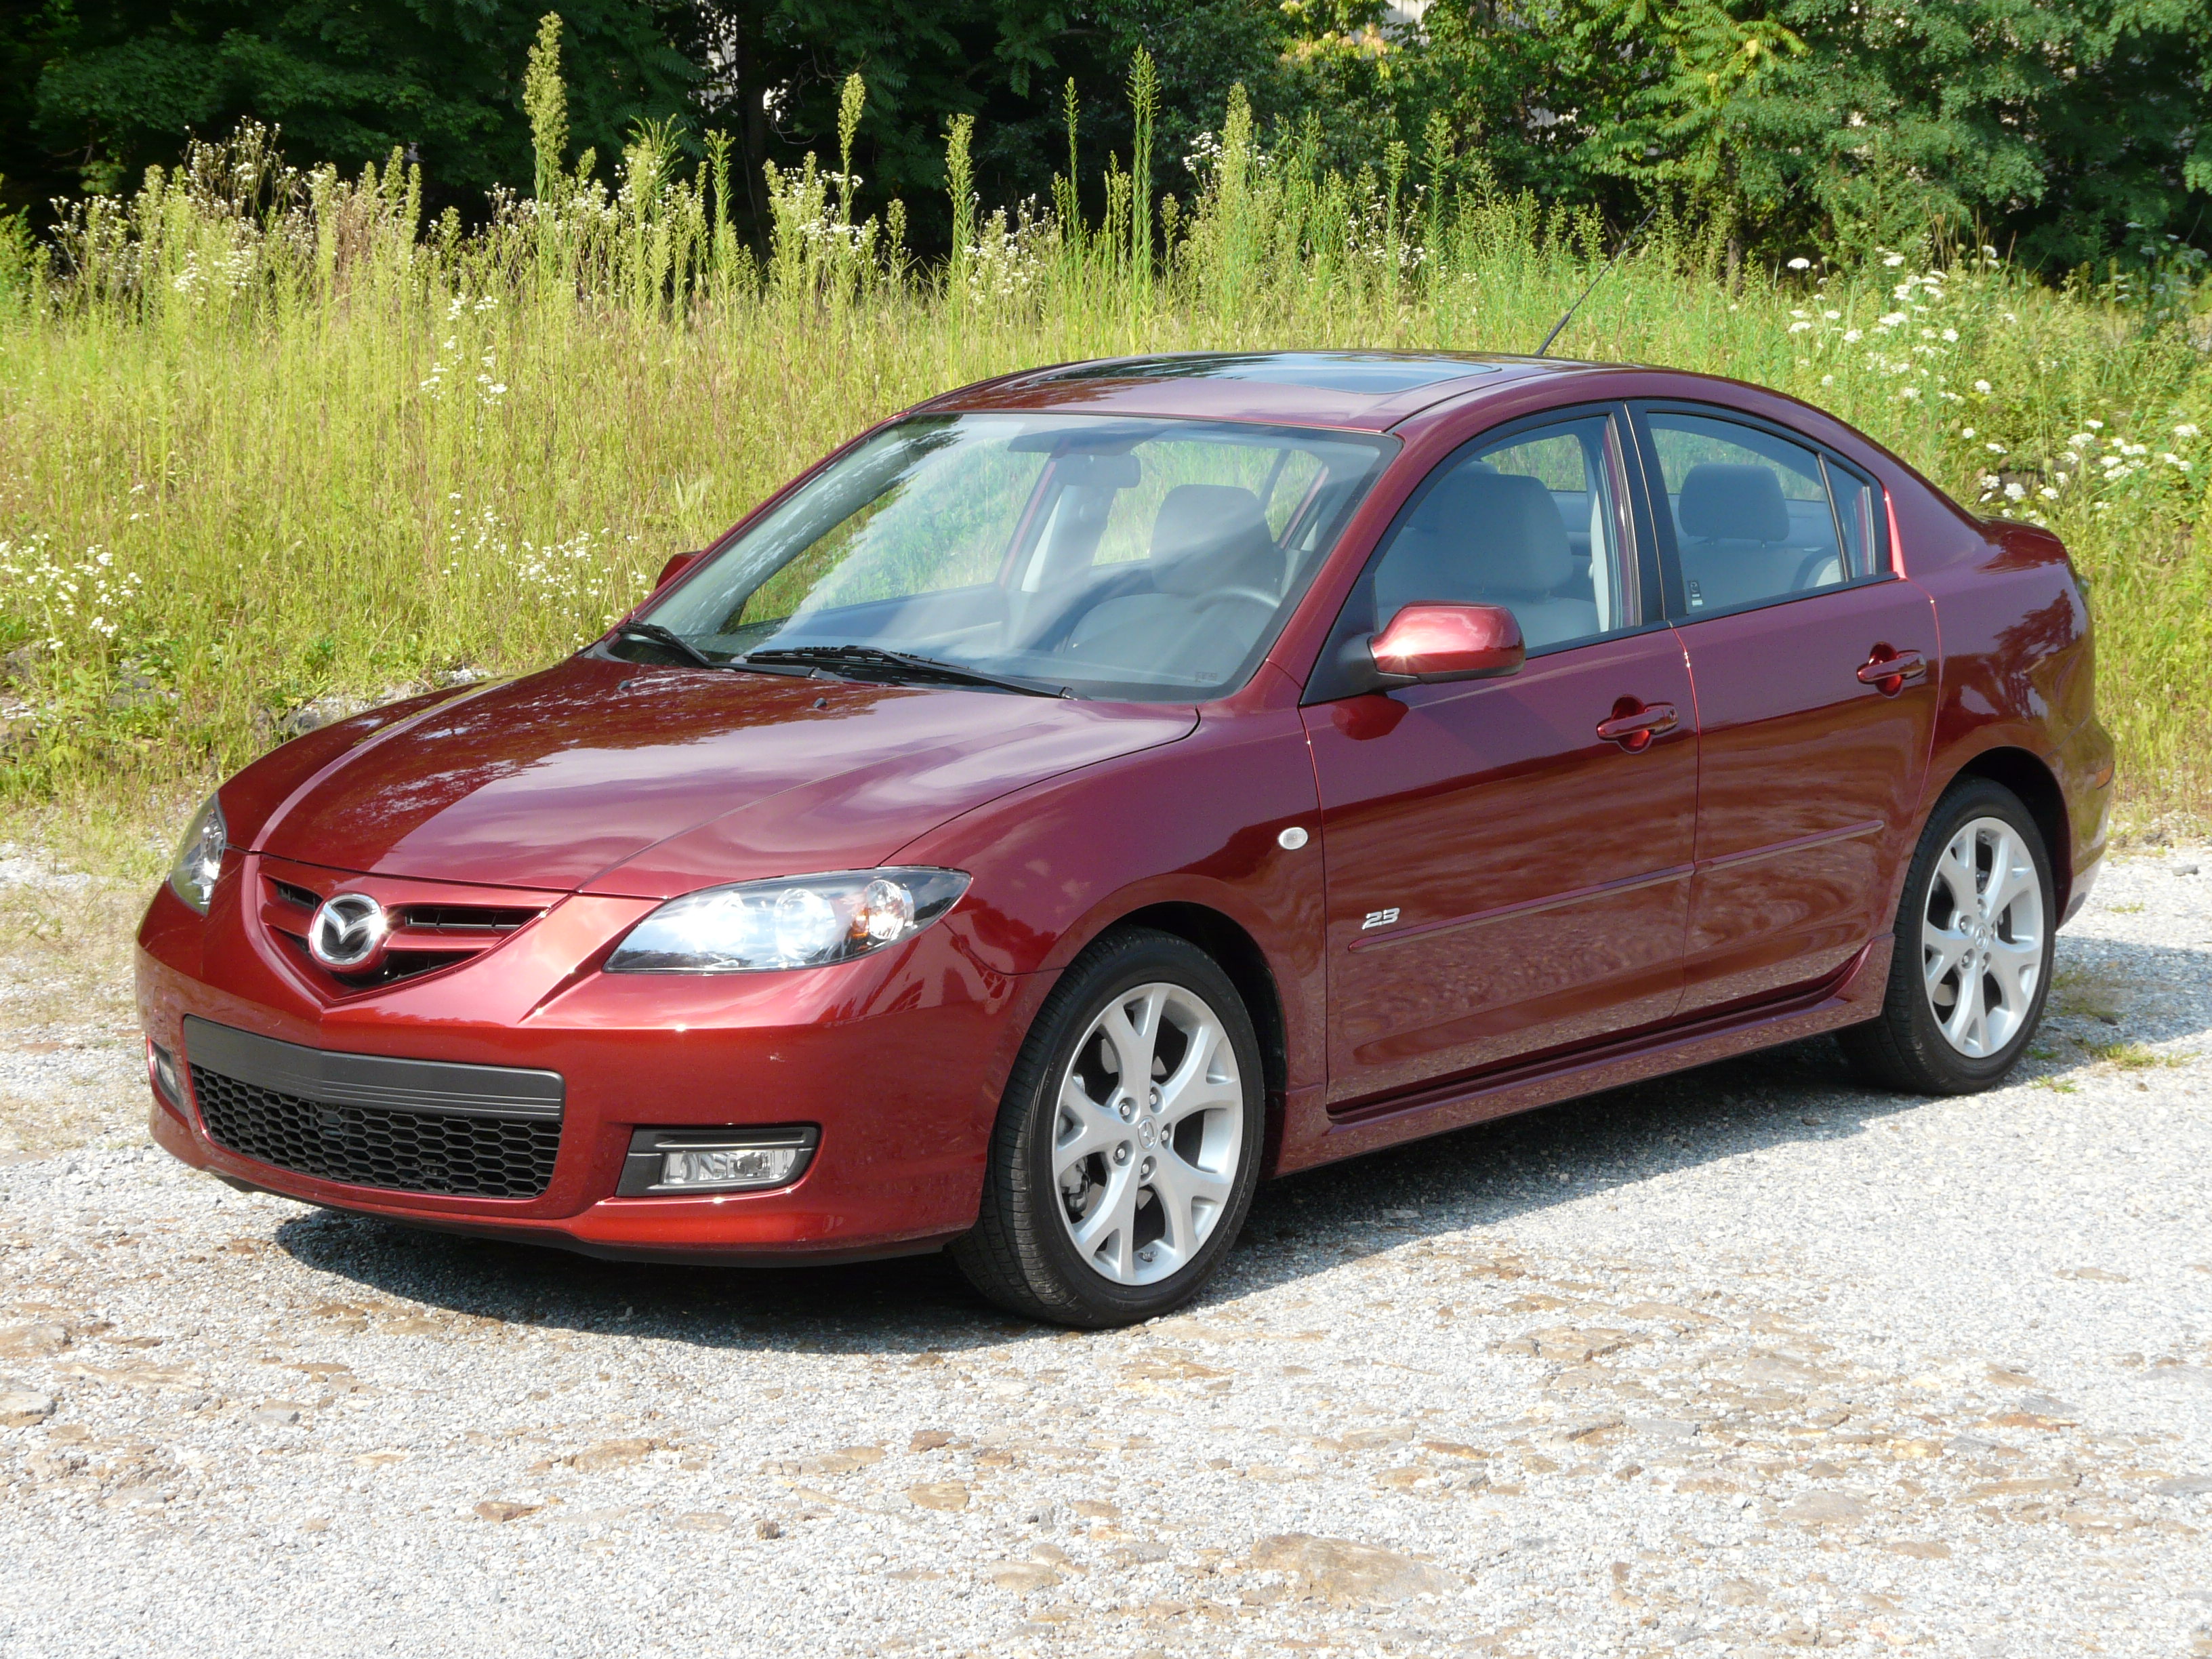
(1888, 671)
(1632, 724)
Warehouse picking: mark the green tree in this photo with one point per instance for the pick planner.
(779, 66)
(2069, 130)
(121, 83)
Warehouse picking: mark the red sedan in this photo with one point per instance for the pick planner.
(1100, 788)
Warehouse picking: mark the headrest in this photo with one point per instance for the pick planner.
(1737, 503)
(1505, 524)
(1209, 536)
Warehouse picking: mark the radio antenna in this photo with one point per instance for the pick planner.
(1595, 280)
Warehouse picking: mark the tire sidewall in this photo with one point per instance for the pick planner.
(1979, 798)
(1116, 971)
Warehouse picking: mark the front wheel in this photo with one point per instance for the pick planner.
(1975, 934)
(1128, 1142)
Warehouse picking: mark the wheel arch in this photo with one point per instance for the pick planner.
(1221, 937)
(2031, 778)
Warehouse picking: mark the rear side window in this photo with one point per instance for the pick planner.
(1757, 518)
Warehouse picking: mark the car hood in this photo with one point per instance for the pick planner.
(650, 781)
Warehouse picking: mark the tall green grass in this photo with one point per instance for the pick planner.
(266, 437)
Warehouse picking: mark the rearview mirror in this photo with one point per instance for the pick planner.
(677, 565)
(1431, 642)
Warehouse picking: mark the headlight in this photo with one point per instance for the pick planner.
(199, 856)
(806, 921)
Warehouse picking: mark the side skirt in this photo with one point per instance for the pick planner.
(1314, 1136)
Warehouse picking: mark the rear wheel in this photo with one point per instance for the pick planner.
(1975, 933)
(1127, 1146)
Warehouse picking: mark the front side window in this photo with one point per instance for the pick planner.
(1531, 522)
(1147, 560)
(1757, 518)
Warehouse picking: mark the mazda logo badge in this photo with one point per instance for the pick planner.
(348, 933)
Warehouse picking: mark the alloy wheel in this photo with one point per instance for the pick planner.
(1981, 937)
(1148, 1129)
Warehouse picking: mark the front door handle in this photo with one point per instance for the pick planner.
(1632, 724)
(1888, 671)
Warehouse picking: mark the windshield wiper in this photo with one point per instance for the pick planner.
(669, 637)
(683, 647)
(926, 667)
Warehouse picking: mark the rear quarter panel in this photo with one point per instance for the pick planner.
(2019, 663)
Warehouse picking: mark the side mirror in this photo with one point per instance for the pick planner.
(1431, 642)
(677, 565)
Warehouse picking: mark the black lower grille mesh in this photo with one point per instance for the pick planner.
(472, 1157)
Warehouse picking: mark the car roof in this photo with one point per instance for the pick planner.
(1369, 391)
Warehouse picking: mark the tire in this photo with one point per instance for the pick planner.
(1925, 1040)
(1102, 1206)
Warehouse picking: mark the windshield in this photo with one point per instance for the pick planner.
(1142, 560)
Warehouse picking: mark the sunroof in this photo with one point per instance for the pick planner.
(1375, 373)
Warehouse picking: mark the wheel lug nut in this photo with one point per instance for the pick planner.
(1121, 1153)
(1126, 1107)
(1145, 1168)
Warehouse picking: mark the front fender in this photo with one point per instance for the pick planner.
(1055, 865)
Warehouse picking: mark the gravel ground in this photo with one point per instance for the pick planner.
(1743, 1361)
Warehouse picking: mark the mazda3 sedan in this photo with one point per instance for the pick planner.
(1098, 788)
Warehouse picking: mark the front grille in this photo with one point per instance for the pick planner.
(424, 937)
(367, 1146)
(300, 897)
(395, 967)
(463, 918)
(414, 1125)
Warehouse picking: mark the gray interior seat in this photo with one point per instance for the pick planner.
(1486, 537)
(1216, 574)
(1736, 547)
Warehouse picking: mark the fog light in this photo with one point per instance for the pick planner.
(161, 1066)
(730, 1166)
(665, 1163)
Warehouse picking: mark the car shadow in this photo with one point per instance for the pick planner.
(2105, 994)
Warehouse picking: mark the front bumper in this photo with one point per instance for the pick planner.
(900, 1058)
